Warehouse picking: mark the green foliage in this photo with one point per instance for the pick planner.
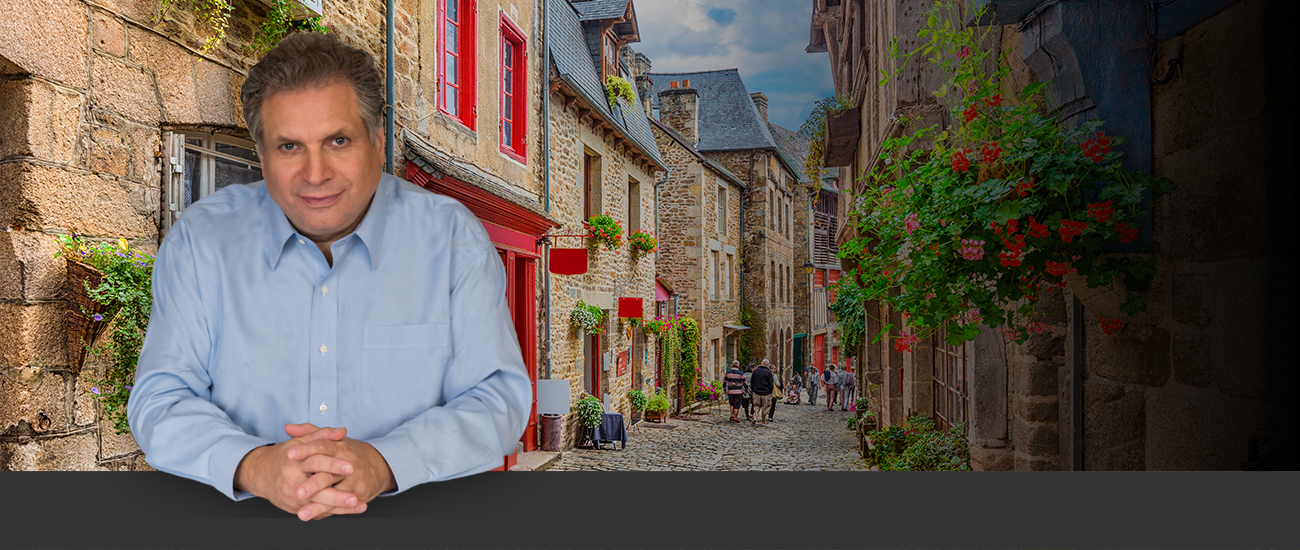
(862, 404)
(589, 410)
(690, 352)
(753, 347)
(708, 392)
(618, 88)
(814, 128)
(852, 423)
(918, 446)
(1004, 203)
(279, 23)
(657, 402)
(604, 230)
(643, 241)
(589, 318)
(850, 313)
(125, 293)
(637, 399)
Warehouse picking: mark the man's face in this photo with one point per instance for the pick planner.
(320, 166)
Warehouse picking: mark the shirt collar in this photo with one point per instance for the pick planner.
(278, 231)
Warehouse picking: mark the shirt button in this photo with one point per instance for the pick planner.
(323, 349)
(300, 241)
(323, 408)
(324, 289)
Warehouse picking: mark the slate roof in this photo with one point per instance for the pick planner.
(591, 10)
(573, 61)
(729, 120)
(793, 146)
(686, 144)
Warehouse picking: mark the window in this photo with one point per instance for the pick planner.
(633, 205)
(514, 90)
(456, 50)
(206, 163)
(722, 210)
(610, 57)
(715, 283)
(591, 195)
(731, 272)
(771, 209)
(771, 269)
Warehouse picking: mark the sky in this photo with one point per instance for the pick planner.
(765, 39)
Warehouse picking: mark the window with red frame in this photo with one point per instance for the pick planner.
(819, 278)
(456, 50)
(514, 90)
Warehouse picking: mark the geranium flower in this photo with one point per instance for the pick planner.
(971, 113)
(1100, 211)
(1108, 326)
(991, 152)
(1070, 229)
(959, 161)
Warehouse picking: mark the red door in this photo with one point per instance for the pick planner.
(819, 352)
(520, 290)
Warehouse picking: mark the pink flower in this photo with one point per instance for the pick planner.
(971, 249)
(911, 224)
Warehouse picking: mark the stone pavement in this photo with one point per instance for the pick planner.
(801, 437)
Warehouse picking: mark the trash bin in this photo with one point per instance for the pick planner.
(552, 432)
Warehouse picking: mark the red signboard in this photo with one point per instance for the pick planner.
(568, 261)
(630, 307)
(622, 363)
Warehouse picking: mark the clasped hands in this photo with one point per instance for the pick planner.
(316, 474)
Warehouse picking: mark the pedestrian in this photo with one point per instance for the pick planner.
(811, 380)
(735, 388)
(762, 382)
(796, 383)
(847, 383)
(747, 394)
(829, 380)
(770, 412)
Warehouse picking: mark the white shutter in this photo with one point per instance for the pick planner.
(173, 178)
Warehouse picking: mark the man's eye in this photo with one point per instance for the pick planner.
(340, 141)
(288, 147)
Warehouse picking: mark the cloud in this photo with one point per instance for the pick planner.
(764, 39)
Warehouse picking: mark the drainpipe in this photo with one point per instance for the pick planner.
(389, 133)
(546, 156)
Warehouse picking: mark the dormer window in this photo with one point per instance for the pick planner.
(610, 56)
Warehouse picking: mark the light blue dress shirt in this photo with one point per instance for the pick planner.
(406, 341)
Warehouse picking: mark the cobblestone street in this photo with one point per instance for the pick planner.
(801, 437)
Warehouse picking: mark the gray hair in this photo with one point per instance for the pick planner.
(307, 59)
(767, 363)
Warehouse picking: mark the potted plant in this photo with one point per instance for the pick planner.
(642, 241)
(656, 407)
(618, 88)
(603, 230)
(587, 318)
(638, 401)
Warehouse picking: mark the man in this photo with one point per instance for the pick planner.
(762, 384)
(811, 380)
(796, 382)
(846, 388)
(776, 391)
(829, 380)
(747, 394)
(735, 381)
(332, 333)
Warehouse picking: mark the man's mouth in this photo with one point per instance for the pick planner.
(322, 201)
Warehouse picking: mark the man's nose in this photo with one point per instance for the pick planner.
(318, 169)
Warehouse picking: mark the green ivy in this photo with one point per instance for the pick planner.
(850, 313)
(753, 342)
(814, 129)
(279, 23)
(690, 352)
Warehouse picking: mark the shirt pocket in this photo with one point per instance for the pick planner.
(402, 369)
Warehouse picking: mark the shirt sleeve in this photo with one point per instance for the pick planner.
(170, 410)
(487, 388)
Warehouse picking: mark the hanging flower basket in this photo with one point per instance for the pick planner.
(642, 241)
(603, 230)
(85, 318)
(587, 317)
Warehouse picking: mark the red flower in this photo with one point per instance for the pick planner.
(1037, 230)
(994, 101)
(959, 161)
(970, 113)
(1057, 269)
(1108, 326)
(1025, 187)
(963, 52)
(905, 342)
(1096, 146)
(1126, 234)
(1100, 211)
(1070, 229)
(1010, 258)
(991, 152)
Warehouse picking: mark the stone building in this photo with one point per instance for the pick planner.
(700, 241)
(1198, 381)
(113, 120)
(603, 159)
(731, 129)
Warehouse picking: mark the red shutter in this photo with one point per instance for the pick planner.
(819, 352)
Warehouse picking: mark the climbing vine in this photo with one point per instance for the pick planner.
(690, 352)
(279, 22)
(814, 129)
(753, 345)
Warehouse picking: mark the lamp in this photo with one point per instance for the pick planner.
(808, 268)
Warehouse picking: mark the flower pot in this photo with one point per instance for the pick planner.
(79, 319)
(656, 416)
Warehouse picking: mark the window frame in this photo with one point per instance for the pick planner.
(466, 64)
(512, 34)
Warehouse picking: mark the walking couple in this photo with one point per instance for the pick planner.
(753, 387)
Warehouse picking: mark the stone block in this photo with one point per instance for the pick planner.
(32, 335)
(27, 391)
(72, 453)
(58, 50)
(1026, 463)
(984, 459)
(39, 119)
(1037, 409)
(1114, 428)
(1136, 354)
(28, 268)
(213, 86)
(1192, 360)
(1031, 377)
(15, 107)
(173, 70)
(1245, 296)
(236, 104)
(38, 197)
(1190, 300)
(1038, 440)
(85, 410)
(1209, 431)
(114, 445)
(134, 9)
(108, 35)
(127, 90)
(142, 465)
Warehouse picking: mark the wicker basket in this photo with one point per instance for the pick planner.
(82, 328)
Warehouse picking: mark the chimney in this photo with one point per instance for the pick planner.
(679, 109)
(760, 101)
